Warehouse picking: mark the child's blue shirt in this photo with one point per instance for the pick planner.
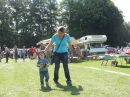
(42, 62)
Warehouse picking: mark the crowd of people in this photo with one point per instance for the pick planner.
(15, 52)
(31, 53)
(119, 50)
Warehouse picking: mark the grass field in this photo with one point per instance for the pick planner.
(89, 79)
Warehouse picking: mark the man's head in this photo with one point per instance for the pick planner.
(15, 46)
(61, 31)
(4, 46)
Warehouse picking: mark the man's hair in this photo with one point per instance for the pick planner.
(4, 45)
(61, 28)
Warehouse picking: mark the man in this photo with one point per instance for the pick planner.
(0, 54)
(42, 47)
(31, 51)
(7, 53)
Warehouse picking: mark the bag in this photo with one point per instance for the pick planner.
(114, 63)
(52, 59)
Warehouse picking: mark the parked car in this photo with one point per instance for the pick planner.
(110, 50)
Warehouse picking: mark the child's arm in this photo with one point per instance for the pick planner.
(39, 65)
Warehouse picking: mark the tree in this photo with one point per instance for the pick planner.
(27, 21)
(93, 17)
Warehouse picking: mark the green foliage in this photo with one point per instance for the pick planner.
(27, 22)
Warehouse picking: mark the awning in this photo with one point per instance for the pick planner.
(75, 42)
(44, 41)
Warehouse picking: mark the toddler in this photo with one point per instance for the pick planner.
(43, 68)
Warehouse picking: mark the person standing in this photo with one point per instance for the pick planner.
(35, 53)
(42, 63)
(61, 40)
(42, 47)
(23, 53)
(7, 53)
(0, 54)
(15, 53)
(31, 51)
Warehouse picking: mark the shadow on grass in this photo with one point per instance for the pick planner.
(122, 66)
(73, 89)
(46, 89)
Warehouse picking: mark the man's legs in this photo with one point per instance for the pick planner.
(64, 59)
(23, 56)
(57, 66)
(0, 57)
(7, 58)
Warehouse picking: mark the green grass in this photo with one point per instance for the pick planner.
(89, 79)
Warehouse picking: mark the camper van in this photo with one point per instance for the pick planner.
(93, 44)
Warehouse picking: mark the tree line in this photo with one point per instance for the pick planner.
(26, 22)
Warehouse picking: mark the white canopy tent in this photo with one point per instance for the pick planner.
(73, 42)
(44, 41)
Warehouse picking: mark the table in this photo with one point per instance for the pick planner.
(94, 57)
(89, 57)
(114, 56)
(122, 56)
(74, 59)
(110, 57)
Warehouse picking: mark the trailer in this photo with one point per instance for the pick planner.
(93, 44)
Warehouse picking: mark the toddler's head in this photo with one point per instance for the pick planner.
(42, 55)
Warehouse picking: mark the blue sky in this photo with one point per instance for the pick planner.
(124, 6)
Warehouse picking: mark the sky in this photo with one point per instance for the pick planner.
(124, 6)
